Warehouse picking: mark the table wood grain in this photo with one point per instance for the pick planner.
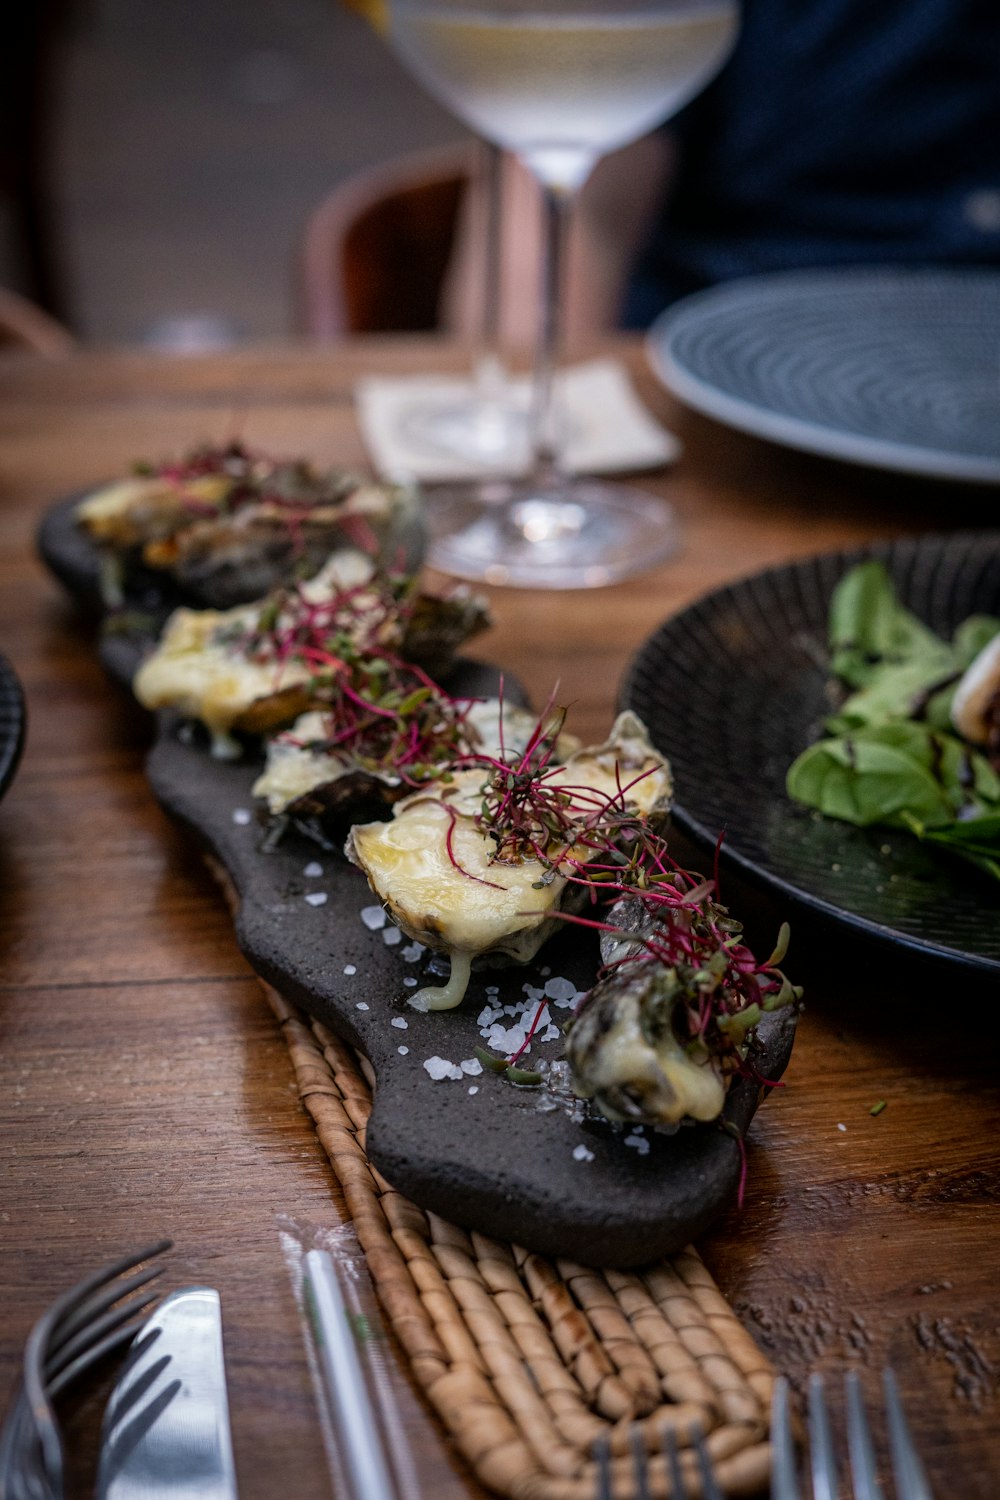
(144, 1088)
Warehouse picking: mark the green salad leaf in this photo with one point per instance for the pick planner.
(891, 757)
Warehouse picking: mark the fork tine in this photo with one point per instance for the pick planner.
(602, 1457)
(640, 1468)
(823, 1463)
(907, 1470)
(784, 1485)
(709, 1487)
(673, 1458)
(859, 1442)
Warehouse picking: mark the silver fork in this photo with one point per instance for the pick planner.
(91, 1320)
(707, 1487)
(908, 1473)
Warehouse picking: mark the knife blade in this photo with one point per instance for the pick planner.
(166, 1428)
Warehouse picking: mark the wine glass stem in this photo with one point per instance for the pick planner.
(556, 204)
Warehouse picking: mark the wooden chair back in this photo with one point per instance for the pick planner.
(377, 249)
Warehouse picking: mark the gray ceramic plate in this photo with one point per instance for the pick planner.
(896, 368)
(736, 685)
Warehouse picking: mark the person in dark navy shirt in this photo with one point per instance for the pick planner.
(839, 132)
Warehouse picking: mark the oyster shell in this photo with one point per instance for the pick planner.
(435, 865)
(305, 777)
(236, 558)
(625, 1054)
(229, 525)
(659, 1037)
(203, 666)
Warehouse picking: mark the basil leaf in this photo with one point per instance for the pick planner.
(868, 626)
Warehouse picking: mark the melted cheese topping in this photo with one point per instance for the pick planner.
(206, 679)
(673, 1084)
(431, 864)
(132, 509)
(294, 769)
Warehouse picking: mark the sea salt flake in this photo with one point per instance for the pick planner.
(373, 917)
(399, 1023)
(313, 870)
(361, 1005)
(412, 952)
(503, 1039)
(438, 1067)
(242, 816)
(350, 968)
(560, 989)
(317, 898)
(582, 1153)
(403, 1051)
(472, 1066)
(638, 1143)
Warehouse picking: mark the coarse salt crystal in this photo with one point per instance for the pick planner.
(418, 1002)
(551, 1033)
(399, 1023)
(317, 898)
(560, 989)
(841, 1127)
(313, 870)
(582, 1153)
(545, 972)
(485, 1016)
(532, 991)
(638, 1143)
(474, 1089)
(410, 982)
(373, 917)
(472, 1066)
(391, 936)
(437, 1067)
(350, 968)
(361, 1005)
(403, 1051)
(412, 952)
(503, 1040)
(455, 1073)
(242, 816)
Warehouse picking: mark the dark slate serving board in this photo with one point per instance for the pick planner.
(493, 1159)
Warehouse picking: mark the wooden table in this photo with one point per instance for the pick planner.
(143, 1085)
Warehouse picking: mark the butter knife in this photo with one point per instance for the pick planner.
(166, 1428)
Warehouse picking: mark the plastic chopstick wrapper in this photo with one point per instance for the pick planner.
(363, 1424)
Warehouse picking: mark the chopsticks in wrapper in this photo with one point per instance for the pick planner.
(363, 1428)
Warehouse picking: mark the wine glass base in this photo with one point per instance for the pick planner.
(491, 433)
(583, 534)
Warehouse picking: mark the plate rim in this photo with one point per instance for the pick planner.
(692, 825)
(12, 746)
(795, 432)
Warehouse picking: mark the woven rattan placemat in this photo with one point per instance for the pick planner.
(528, 1361)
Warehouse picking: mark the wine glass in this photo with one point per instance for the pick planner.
(560, 83)
(485, 423)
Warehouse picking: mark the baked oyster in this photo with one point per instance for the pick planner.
(257, 667)
(228, 525)
(339, 763)
(661, 1036)
(479, 866)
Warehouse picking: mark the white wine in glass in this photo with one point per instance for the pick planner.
(559, 82)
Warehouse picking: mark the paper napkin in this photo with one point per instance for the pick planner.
(604, 427)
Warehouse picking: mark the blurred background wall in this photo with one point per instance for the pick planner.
(187, 142)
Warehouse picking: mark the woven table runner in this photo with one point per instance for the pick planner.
(528, 1361)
